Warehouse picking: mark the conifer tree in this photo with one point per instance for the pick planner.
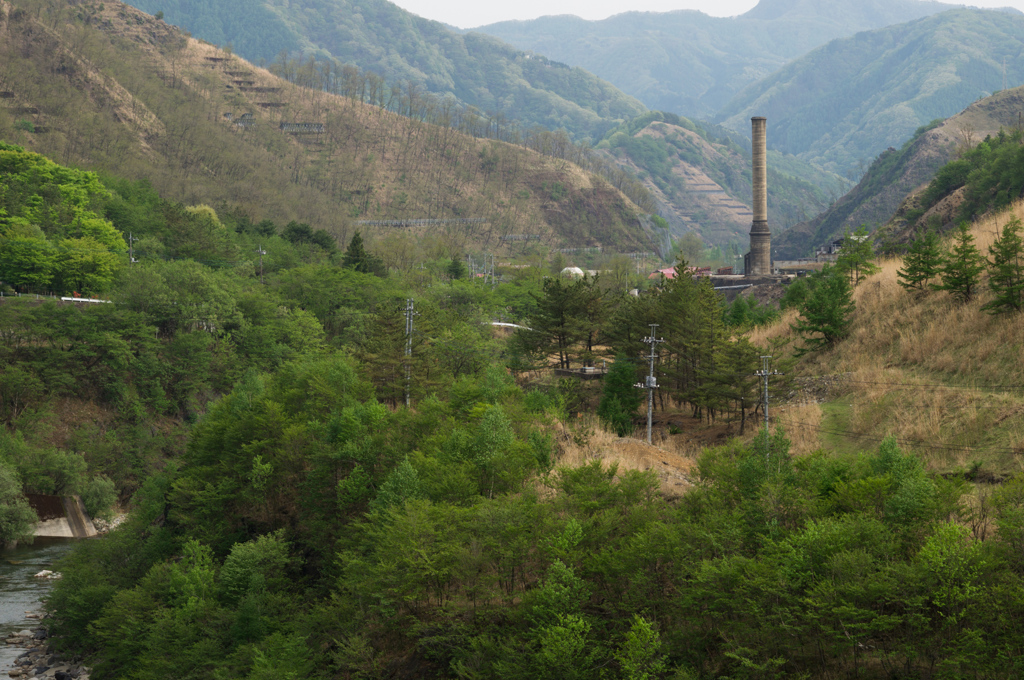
(922, 263)
(855, 257)
(962, 266)
(825, 316)
(358, 258)
(620, 398)
(1006, 269)
(565, 322)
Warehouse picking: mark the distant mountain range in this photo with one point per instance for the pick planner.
(898, 173)
(692, 64)
(848, 101)
(483, 72)
(834, 105)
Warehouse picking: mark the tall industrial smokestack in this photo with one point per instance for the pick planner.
(759, 260)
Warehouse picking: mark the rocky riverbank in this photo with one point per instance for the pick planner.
(37, 661)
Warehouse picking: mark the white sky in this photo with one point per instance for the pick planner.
(472, 13)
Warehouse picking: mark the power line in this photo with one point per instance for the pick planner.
(841, 380)
(899, 440)
(959, 408)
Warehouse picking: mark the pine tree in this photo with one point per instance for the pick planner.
(922, 263)
(1006, 279)
(855, 257)
(565, 321)
(358, 258)
(962, 266)
(825, 315)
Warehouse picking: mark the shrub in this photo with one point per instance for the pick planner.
(99, 495)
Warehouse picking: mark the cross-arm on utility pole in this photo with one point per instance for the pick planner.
(259, 249)
(764, 373)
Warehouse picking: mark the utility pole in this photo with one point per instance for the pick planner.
(652, 383)
(409, 313)
(259, 249)
(131, 248)
(764, 373)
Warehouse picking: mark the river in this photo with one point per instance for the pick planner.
(20, 592)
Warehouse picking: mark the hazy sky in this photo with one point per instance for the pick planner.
(472, 13)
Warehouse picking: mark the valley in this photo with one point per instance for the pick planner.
(356, 324)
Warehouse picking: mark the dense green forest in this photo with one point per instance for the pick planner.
(846, 102)
(334, 465)
(290, 516)
(213, 294)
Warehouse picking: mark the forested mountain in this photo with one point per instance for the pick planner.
(897, 173)
(290, 515)
(700, 178)
(848, 101)
(692, 64)
(406, 50)
(332, 464)
(372, 45)
(112, 89)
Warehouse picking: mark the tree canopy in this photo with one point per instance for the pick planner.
(51, 238)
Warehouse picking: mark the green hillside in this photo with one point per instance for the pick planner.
(848, 101)
(134, 96)
(700, 178)
(897, 174)
(979, 180)
(290, 515)
(692, 64)
(380, 37)
(331, 457)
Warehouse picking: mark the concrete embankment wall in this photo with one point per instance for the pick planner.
(61, 516)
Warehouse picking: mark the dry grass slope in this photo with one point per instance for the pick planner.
(673, 462)
(946, 379)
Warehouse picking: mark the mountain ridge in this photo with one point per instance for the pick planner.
(849, 100)
(690, 63)
(378, 36)
(899, 173)
(141, 99)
